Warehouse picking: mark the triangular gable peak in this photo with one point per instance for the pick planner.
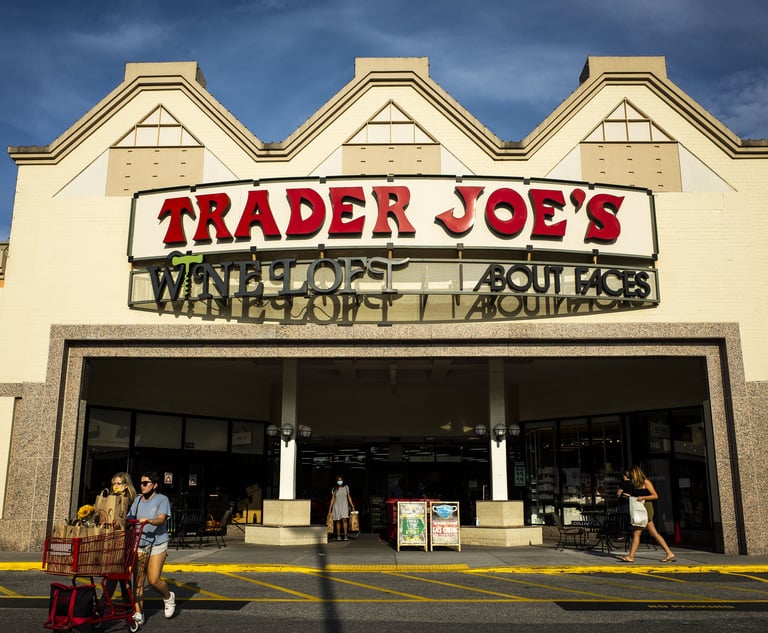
(599, 72)
(390, 142)
(158, 129)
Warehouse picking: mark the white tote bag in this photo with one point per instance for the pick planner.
(638, 516)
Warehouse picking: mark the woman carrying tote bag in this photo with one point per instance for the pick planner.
(341, 503)
(636, 485)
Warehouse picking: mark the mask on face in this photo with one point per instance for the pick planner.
(340, 482)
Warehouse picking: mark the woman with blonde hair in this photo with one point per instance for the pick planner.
(637, 484)
(123, 485)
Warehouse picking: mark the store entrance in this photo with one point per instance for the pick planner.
(377, 471)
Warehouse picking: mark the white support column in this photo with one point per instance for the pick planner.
(288, 452)
(498, 415)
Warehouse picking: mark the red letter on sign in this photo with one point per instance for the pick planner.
(604, 226)
(212, 209)
(257, 211)
(512, 201)
(457, 226)
(176, 208)
(312, 223)
(401, 196)
(341, 208)
(545, 203)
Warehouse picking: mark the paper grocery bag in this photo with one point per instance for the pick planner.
(112, 509)
(59, 528)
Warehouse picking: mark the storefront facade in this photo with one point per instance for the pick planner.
(395, 294)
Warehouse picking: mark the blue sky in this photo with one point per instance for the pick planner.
(272, 63)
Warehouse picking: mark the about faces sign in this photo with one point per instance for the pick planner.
(413, 211)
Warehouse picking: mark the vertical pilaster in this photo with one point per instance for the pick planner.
(288, 451)
(498, 415)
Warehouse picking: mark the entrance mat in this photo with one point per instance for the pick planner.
(660, 605)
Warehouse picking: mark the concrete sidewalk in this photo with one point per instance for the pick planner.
(370, 553)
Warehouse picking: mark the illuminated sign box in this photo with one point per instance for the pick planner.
(410, 211)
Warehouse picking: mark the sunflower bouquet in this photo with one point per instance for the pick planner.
(86, 515)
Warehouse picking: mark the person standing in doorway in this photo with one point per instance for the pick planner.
(152, 509)
(341, 504)
(637, 484)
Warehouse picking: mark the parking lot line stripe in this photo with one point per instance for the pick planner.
(455, 586)
(373, 587)
(8, 592)
(195, 589)
(750, 576)
(550, 587)
(261, 583)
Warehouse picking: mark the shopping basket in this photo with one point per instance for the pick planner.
(97, 555)
(112, 556)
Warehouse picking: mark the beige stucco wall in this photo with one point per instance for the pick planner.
(68, 261)
(68, 271)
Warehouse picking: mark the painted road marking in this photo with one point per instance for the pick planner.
(462, 587)
(664, 605)
(261, 583)
(373, 587)
(542, 586)
(194, 589)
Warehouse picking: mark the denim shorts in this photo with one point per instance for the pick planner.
(154, 550)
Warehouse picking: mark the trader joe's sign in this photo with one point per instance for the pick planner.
(364, 212)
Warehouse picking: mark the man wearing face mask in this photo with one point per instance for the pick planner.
(341, 503)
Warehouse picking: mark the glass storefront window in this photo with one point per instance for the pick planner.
(109, 428)
(155, 430)
(607, 460)
(573, 476)
(248, 438)
(206, 434)
(540, 450)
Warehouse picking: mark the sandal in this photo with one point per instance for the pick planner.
(668, 559)
(626, 559)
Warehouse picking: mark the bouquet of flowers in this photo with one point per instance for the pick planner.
(86, 515)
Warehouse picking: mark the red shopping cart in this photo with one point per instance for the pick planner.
(110, 556)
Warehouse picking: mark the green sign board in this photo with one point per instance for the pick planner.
(412, 524)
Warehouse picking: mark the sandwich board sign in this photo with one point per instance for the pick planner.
(412, 524)
(444, 524)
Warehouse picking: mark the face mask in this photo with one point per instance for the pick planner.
(339, 482)
(148, 494)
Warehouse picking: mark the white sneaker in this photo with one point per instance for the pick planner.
(138, 618)
(169, 606)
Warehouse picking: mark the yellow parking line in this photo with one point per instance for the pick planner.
(462, 587)
(723, 586)
(261, 583)
(666, 592)
(550, 587)
(750, 576)
(194, 589)
(9, 593)
(373, 587)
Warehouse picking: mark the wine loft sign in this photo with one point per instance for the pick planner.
(229, 241)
